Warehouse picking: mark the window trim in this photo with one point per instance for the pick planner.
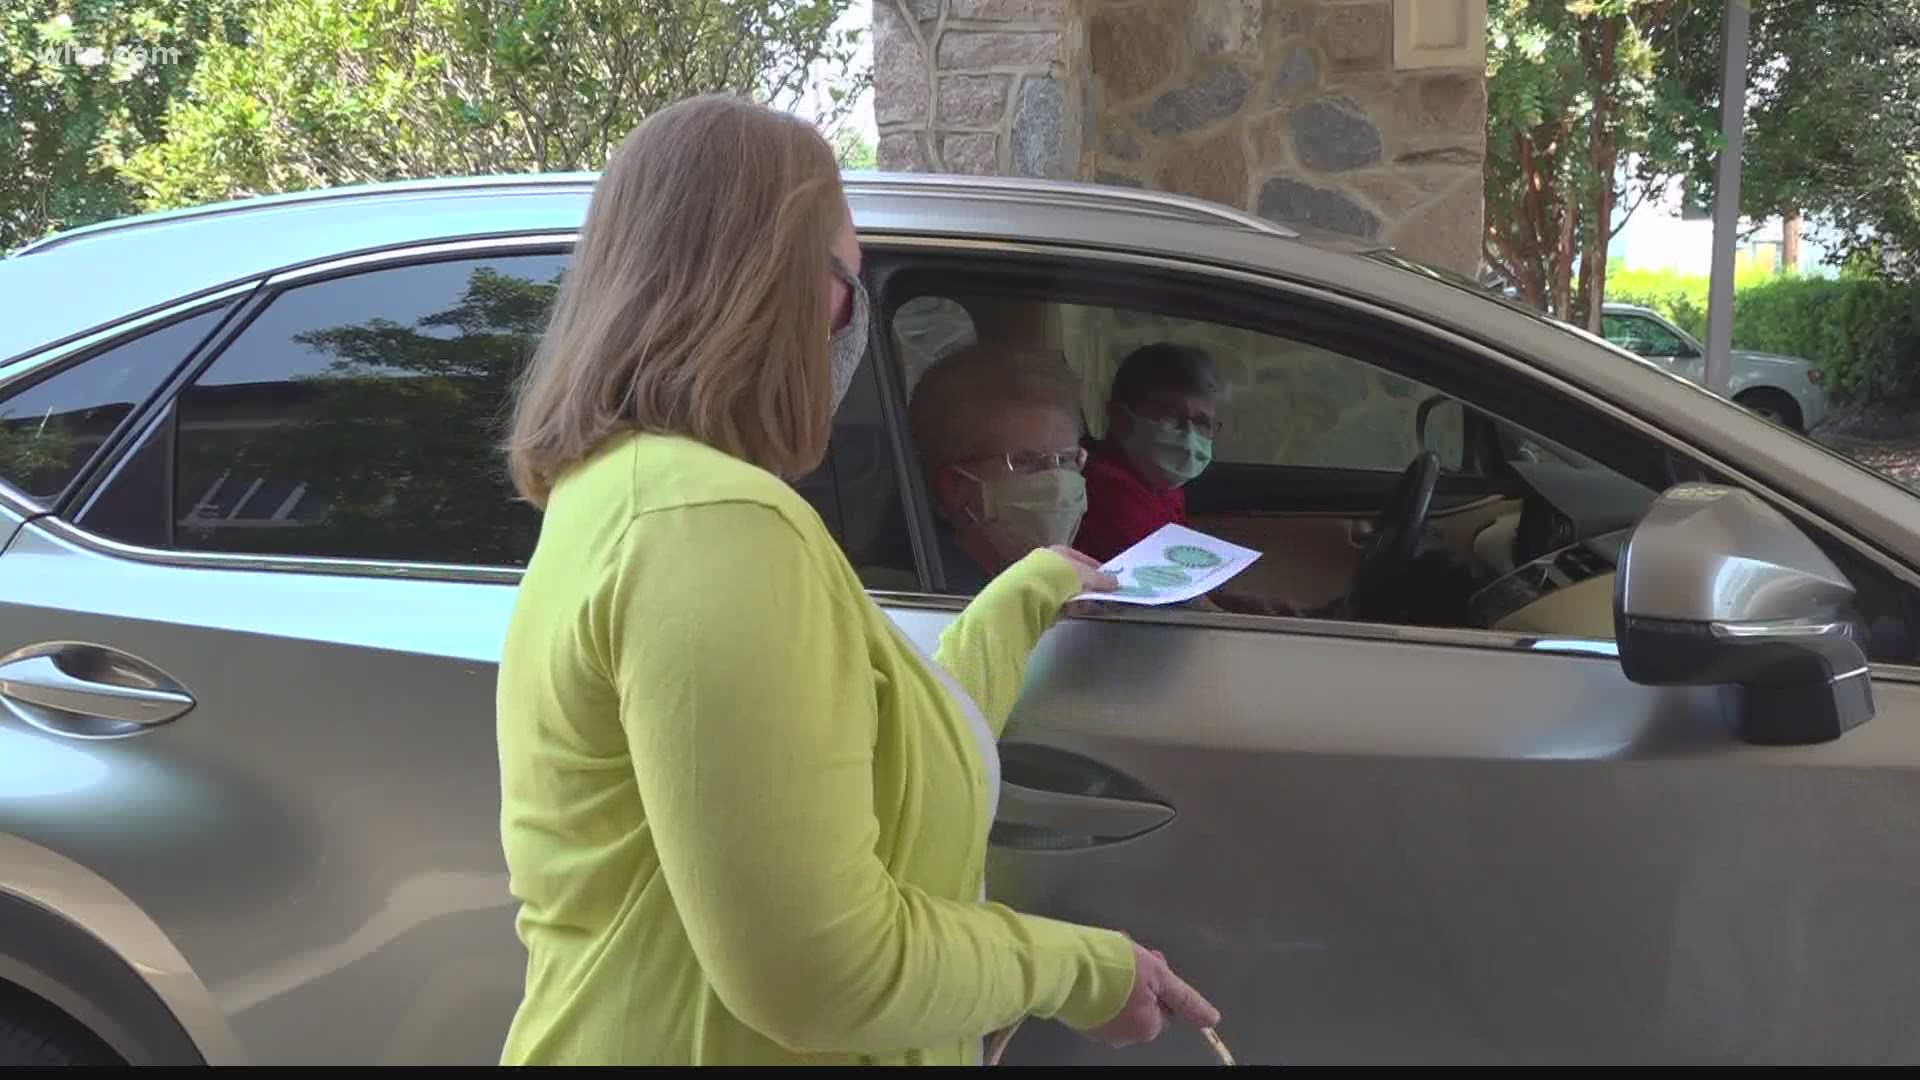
(308, 564)
(435, 251)
(75, 351)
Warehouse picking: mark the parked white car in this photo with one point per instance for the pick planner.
(1788, 390)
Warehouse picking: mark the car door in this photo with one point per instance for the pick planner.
(260, 646)
(1432, 844)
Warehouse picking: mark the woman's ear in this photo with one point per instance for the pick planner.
(956, 493)
(839, 303)
(846, 252)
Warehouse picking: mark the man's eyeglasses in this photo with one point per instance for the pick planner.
(1032, 461)
(1202, 423)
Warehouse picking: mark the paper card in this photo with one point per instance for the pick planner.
(1172, 566)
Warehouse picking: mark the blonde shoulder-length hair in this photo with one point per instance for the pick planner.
(697, 301)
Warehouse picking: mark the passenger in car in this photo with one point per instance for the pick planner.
(998, 430)
(1162, 414)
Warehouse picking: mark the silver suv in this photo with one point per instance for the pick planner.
(1789, 390)
(1606, 757)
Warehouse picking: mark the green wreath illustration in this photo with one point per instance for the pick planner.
(1193, 557)
(1162, 577)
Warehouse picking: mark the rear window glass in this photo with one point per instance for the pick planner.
(52, 426)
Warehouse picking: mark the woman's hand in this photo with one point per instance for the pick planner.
(1157, 994)
(1092, 578)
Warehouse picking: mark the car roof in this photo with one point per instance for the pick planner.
(76, 281)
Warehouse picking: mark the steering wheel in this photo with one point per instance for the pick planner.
(1396, 539)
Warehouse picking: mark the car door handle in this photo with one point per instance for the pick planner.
(1086, 815)
(1053, 799)
(94, 694)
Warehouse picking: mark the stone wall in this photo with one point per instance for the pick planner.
(974, 86)
(1305, 111)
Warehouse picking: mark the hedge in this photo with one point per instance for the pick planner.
(1864, 333)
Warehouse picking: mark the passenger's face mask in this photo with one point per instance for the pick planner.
(1036, 509)
(1181, 454)
(849, 343)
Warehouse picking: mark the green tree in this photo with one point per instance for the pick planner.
(855, 150)
(83, 85)
(1572, 91)
(1832, 118)
(345, 91)
(1595, 105)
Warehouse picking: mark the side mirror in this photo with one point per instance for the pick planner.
(1716, 588)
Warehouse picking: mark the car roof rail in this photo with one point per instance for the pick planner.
(1111, 196)
(305, 197)
(1106, 196)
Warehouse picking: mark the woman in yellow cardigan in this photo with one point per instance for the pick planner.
(745, 819)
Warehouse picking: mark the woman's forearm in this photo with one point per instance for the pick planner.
(987, 647)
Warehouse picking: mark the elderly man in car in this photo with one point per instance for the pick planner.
(998, 429)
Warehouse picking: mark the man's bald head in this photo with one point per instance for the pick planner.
(984, 400)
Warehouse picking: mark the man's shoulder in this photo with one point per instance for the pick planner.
(1105, 469)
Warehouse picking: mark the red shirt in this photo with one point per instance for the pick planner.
(1122, 508)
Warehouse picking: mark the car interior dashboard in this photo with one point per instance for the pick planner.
(1553, 562)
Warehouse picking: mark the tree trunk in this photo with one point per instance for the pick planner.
(1533, 282)
(1790, 243)
(1563, 265)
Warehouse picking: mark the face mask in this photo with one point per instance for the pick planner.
(1182, 455)
(849, 343)
(1038, 509)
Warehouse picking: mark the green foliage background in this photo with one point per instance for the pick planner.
(259, 96)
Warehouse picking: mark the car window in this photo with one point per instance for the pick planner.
(925, 328)
(1641, 335)
(1289, 403)
(1027, 387)
(1310, 449)
(361, 417)
(51, 426)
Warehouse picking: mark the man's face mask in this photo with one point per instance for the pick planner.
(849, 343)
(1034, 509)
(1181, 453)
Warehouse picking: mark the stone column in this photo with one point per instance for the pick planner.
(1365, 117)
(974, 86)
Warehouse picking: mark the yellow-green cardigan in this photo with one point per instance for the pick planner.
(745, 819)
